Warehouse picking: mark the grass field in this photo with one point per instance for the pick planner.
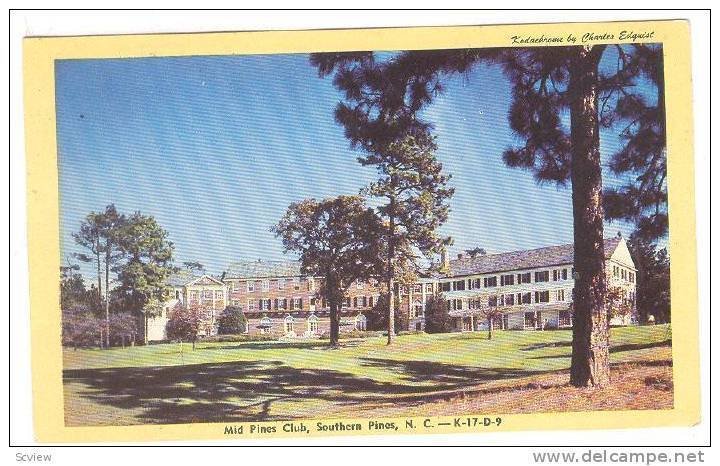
(422, 374)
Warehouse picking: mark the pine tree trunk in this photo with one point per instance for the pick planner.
(391, 275)
(391, 311)
(334, 325)
(99, 275)
(107, 296)
(590, 352)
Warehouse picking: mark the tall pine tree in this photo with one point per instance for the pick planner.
(413, 194)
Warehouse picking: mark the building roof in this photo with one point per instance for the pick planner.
(186, 277)
(262, 269)
(182, 278)
(519, 260)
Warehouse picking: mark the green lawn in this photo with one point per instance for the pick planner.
(281, 380)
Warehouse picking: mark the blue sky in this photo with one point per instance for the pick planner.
(217, 147)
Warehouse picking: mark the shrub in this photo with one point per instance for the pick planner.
(437, 318)
(378, 316)
(232, 321)
(354, 334)
(80, 328)
(123, 329)
(238, 338)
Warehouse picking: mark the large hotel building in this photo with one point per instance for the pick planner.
(532, 289)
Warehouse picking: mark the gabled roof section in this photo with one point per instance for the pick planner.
(205, 280)
(519, 260)
(262, 269)
(186, 277)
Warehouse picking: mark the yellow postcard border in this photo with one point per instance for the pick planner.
(43, 208)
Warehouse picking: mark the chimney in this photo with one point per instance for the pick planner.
(444, 259)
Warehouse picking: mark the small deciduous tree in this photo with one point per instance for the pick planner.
(184, 325)
(337, 239)
(490, 314)
(618, 305)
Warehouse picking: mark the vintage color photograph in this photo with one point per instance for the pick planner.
(363, 234)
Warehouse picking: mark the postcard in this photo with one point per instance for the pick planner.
(349, 232)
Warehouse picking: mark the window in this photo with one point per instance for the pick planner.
(207, 294)
(346, 302)
(281, 283)
(370, 301)
(419, 310)
(509, 299)
(281, 303)
(616, 271)
(542, 296)
(555, 275)
(417, 288)
(364, 301)
(289, 324)
(265, 324)
(459, 285)
(428, 288)
(355, 302)
(543, 276)
(560, 295)
(493, 301)
(524, 298)
(218, 294)
(250, 305)
(564, 274)
(506, 280)
(631, 277)
(264, 304)
(266, 285)
(235, 302)
(445, 286)
(359, 285)
(296, 283)
(297, 303)
(523, 278)
(489, 282)
(360, 322)
(250, 287)
(312, 324)
(236, 286)
(177, 294)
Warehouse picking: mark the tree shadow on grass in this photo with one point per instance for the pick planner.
(443, 376)
(261, 391)
(613, 349)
